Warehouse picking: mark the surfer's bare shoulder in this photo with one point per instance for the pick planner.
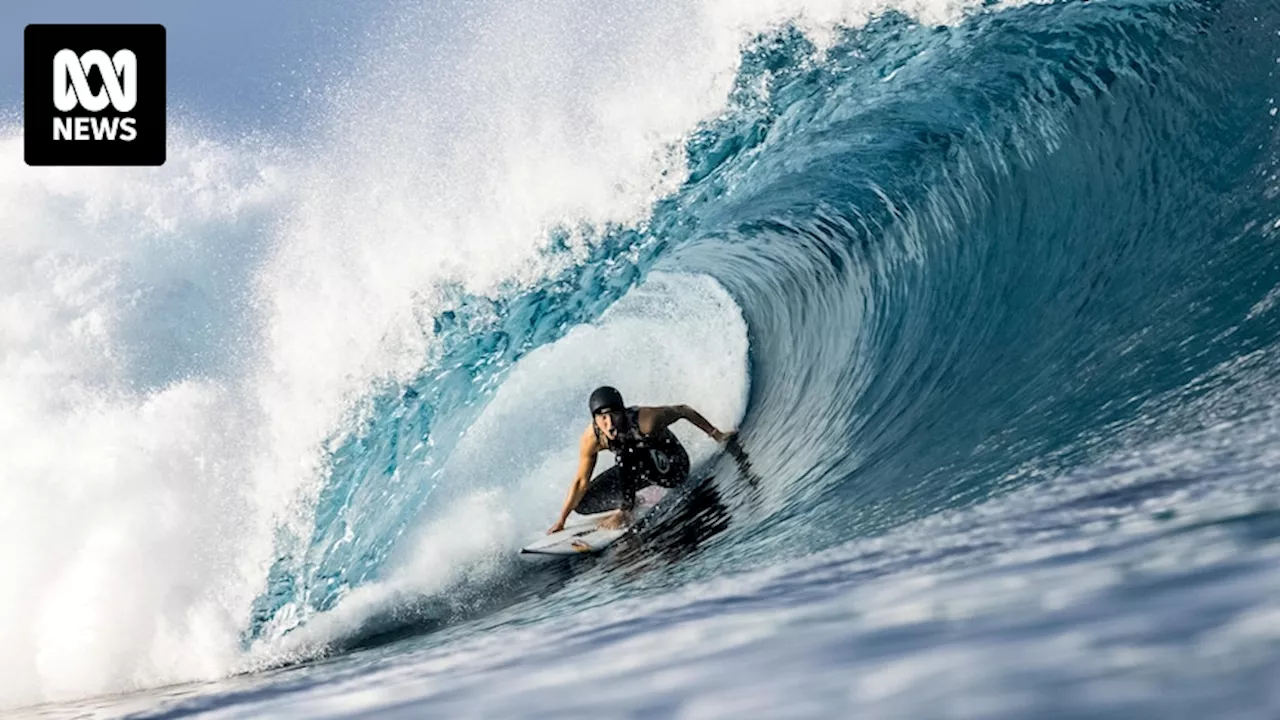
(654, 418)
(589, 445)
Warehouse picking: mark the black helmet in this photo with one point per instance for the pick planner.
(605, 398)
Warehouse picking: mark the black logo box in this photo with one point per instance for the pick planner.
(41, 43)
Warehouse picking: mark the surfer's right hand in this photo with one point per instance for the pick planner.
(557, 527)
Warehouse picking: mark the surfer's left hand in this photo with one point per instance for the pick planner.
(723, 437)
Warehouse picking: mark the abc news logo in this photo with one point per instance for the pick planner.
(94, 95)
(71, 88)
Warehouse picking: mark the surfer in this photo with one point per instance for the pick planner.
(646, 453)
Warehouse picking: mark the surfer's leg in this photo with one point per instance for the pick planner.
(608, 491)
(678, 470)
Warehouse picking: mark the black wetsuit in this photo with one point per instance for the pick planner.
(641, 460)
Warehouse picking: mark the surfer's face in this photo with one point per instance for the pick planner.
(608, 422)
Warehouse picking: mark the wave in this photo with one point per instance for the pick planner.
(933, 319)
(919, 264)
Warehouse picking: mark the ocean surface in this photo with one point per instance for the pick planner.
(991, 292)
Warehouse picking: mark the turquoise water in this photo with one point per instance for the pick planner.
(993, 304)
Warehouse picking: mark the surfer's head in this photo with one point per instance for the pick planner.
(607, 410)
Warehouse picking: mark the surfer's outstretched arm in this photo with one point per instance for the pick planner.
(653, 419)
(588, 450)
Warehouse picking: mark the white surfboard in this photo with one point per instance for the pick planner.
(584, 535)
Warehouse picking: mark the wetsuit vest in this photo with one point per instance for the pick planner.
(654, 459)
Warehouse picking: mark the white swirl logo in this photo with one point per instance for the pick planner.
(661, 462)
(119, 80)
